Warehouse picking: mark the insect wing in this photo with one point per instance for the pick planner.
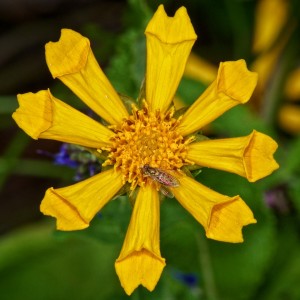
(166, 192)
(167, 179)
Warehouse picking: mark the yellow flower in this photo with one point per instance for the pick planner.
(271, 33)
(289, 113)
(289, 118)
(270, 17)
(150, 135)
(292, 85)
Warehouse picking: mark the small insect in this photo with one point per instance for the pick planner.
(165, 179)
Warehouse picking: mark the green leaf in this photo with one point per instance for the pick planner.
(138, 14)
(128, 63)
(178, 231)
(286, 285)
(239, 268)
(37, 167)
(8, 104)
(129, 60)
(34, 264)
(10, 157)
(294, 194)
(239, 121)
(292, 160)
(282, 279)
(189, 90)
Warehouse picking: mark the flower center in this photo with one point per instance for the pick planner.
(147, 138)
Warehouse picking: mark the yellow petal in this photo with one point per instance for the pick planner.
(72, 61)
(75, 206)
(140, 261)
(199, 69)
(289, 118)
(178, 102)
(258, 156)
(266, 63)
(250, 156)
(234, 85)
(169, 42)
(43, 116)
(271, 16)
(292, 86)
(221, 216)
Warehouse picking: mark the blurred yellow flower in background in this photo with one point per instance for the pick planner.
(289, 113)
(270, 37)
(274, 26)
(147, 135)
(272, 31)
(270, 18)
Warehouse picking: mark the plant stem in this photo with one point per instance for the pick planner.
(206, 268)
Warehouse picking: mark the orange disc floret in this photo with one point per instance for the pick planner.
(147, 137)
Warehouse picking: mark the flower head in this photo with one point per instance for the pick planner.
(150, 135)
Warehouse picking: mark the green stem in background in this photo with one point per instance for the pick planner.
(206, 268)
(41, 168)
(11, 156)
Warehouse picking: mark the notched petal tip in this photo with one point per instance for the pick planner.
(236, 81)
(68, 55)
(221, 216)
(227, 220)
(171, 30)
(34, 114)
(139, 268)
(250, 156)
(140, 261)
(76, 205)
(67, 216)
(169, 42)
(258, 156)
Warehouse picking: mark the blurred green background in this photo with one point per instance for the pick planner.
(37, 262)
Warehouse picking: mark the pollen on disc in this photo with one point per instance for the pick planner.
(147, 138)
